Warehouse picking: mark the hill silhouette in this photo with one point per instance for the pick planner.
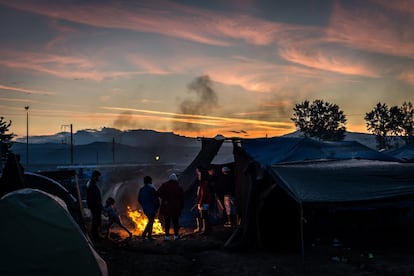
(108, 146)
(114, 146)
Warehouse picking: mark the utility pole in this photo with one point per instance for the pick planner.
(113, 150)
(71, 139)
(71, 144)
(27, 134)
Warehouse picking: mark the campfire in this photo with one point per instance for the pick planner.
(140, 221)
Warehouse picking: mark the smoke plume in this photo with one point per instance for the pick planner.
(202, 101)
(125, 121)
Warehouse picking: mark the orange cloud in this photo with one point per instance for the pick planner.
(210, 123)
(207, 119)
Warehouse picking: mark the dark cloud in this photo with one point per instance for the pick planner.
(202, 101)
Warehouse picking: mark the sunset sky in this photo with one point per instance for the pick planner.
(200, 68)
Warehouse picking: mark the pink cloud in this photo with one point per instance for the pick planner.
(329, 62)
(407, 77)
(162, 17)
(375, 30)
(68, 67)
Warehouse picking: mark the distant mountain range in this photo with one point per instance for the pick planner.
(145, 137)
(108, 146)
(111, 146)
(134, 138)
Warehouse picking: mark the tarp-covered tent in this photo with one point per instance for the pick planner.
(224, 155)
(209, 149)
(276, 150)
(404, 153)
(39, 237)
(280, 178)
(345, 181)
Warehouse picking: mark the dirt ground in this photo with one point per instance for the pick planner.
(195, 254)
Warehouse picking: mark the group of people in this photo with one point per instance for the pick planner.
(215, 189)
(94, 201)
(168, 201)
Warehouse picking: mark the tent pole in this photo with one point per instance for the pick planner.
(79, 198)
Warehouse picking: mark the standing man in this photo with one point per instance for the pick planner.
(94, 201)
(172, 204)
(150, 203)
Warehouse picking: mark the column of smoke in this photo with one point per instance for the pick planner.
(203, 101)
(124, 184)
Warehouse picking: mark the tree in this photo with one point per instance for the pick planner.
(5, 138)
(320, 119)
(407, 122)
(396, 120)
(380, 124)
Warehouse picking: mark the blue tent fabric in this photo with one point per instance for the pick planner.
(331, 172)
(346, 180)
(405, 153)
(318, 177)
(268, 151)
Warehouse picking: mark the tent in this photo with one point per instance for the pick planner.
(345, 181)
(39, 237)
(276, 150)
(44, 183)
(209, 149)
(404, 153)
(302, 185)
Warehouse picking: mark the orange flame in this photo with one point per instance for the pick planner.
(140, 221)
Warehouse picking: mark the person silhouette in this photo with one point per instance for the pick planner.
(150, 203)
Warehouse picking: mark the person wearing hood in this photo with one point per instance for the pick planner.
(172, 204)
